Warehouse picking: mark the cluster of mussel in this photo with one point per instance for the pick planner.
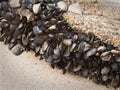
(38, 25)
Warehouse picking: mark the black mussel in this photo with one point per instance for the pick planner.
(39, 23)
(83, 46)
(77, 68)
(91, 52)
(67, 42)
(101, 48)
(84, 73)
(104, 78)
(9, 16)
(106, 56)
(4, 24)
(11, 45)
(17, 49)
(4, 5)
(25, 40)
(105, 70)
(36, 30)
(43, 17)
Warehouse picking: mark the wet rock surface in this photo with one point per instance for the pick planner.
(45, 32)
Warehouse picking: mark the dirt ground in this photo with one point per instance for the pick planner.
(26, 72)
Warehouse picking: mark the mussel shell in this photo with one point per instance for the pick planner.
(90, 53)
(101, 49)
(84, 73)
(105, 70)
(53, 21)
(50, 7)
(73, 47)
(116, 52)
(27, 13)
(67, 52)
(67, 42)
(10, 46)
(117, 59)
(53, 27)
(114, 67)
(36, 30)
(4, 5)
(43, 17)
(49, 59)
(44, 46)
(106, 56)
(9, 16)
(37, 8)
(17, 49)
(104, 78)
(25, 40)
(76, 69)
(83, 46)
(57, 51)
(4, 24)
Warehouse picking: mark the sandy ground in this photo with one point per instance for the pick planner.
(26, 72)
